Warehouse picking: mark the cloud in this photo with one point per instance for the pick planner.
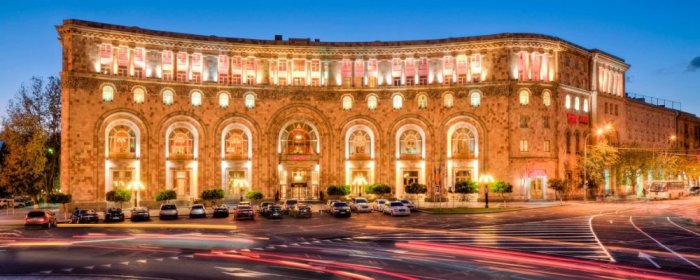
(694, 64)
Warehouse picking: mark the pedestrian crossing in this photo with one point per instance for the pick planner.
(570, 237)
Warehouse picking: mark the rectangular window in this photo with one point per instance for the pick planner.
(423, 80)
(223, 78)
(315, 82)
(462, 79)
(523, 146)
(410, 80)
(122, 71)
(250, 80)
(197, 77)
(138, 73)
(372, 81)
(545, 122)
(282, 82)
(167, 75)
(299, 65)
(181, 76)
(315, 66)
(546, 146)
(410, 177)
(606, 107)
(397, 81)
(523, 121)
(236, 79)
(299, 82)
(447, 80)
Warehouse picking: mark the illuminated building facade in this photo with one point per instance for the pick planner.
(188, 112)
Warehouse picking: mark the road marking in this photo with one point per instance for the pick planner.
(175, 258)
(669, 220)
(45, 272)
(663, 246)
(89, 267)
(189, 256)
(159, 259)
(649, 258)
(67, 269)
(590, 225)
(142, 261)
(124, 263)
(107, 265)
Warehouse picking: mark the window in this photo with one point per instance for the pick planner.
(122, 142)
(545, 122)
(567, 102)
(359, 144)
(397, 81)
(372, 102)
(410, 177)
(448, 100)
(463, 143)
(423, 80)
(475, 99)
(523, 146)
(223, 100)
(578, 142)
(250, 101)
(422, 101)
(107, 93)
(181, 143)
(299, 139)
(168, 97)
(397, 101)
(411, 143)
(577, 104)
(315, 65)
(546, 146)
(236, 144)
(139, 95)
(568, 142)
(347, 102)
(606, 107)
(196, 98)
(524, 121)
(524, 97)
(546, 98)
(585, 105)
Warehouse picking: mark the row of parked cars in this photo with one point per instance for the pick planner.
(17, 202)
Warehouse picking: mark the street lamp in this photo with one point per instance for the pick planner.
(598, 132)
(486, 179)
(137, 187)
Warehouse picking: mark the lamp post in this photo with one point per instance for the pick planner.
(137, 187)
(486, 179)
(598, 132)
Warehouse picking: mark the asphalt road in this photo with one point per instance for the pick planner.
(579, 241)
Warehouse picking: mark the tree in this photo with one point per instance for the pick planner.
(559, 186)
(119, 195)
(166, 195)
(62, 199)
(212, 195)
(339, 190)
(379, 189)
(502, 188)
(601, 156)
(254, 196)
(466, 187)
(416, 188)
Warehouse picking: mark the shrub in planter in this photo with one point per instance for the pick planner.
(378, 189)
(166, 195)
(466, 187)
(502, 188)
(212, 195)
(254, 196)
(118, 195)
(340, 190)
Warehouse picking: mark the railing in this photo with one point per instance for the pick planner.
(654, 100)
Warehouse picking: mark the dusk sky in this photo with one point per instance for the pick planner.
(660, 40)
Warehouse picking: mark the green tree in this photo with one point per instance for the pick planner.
(254, 196)
(502, 188)
(379, 189)
(559, 186)
(62, 199)
(212, 195)
(601, 156)
(166, 195)
(339, 190)
(118, 195)
(416, 188)
(466, 187)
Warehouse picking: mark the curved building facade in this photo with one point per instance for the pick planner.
(189, 113)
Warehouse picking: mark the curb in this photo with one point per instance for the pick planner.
(490, 212)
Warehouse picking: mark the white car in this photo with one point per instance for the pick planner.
(396, 208)
(379, 205)
(360, 205)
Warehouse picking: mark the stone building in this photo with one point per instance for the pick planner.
(190, 112)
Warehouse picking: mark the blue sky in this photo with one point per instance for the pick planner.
(659, 39)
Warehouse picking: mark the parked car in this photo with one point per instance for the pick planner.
(84, 216)
(408, 204)
(221, 211)
(22, 202)
(114, 215)
(379, 205)
(140, 214)
(263, 208)
(4, 203)
(360, 204)
(43, 218)
(340, 209)
(396, 208)
(300, 211)
(168, 211)
(694, 190)
(329, 204)
(244, 212)
(198, 211)
(274, 212)
(288, 204)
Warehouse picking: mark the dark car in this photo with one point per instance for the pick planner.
(273, 212)
(43, 218)
(83, 216)
(300, 211)
(220, 211)
(244, 212)
(288, 204)
(140, 214)
(340, 209)
(263, 208)
(114, 215)
(694, 190)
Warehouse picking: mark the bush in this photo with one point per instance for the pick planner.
(558, 185)
(464, 187)
(416, 188)
(119, 195)
(502, 188)
(378, 189)
(339, 190)
(60, 198)
(212, 195)
(254, 195)
(166, 195)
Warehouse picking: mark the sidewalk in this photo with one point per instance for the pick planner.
(492, 204)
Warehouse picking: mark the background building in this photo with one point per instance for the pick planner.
(189, 112)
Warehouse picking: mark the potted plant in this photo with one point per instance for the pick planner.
(118, 195)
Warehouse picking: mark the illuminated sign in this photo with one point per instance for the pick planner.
(571, 118)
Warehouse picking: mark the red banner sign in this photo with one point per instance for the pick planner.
(571, 118)
(583, 119)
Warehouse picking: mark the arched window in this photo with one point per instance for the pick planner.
(463, 143)
(397, 101)
(475, 99)
(181, 143)
(524, 97)
(299, 139)
(372, 102)
(585, 105)
(448, 100)
(139, 95)
(168, 97)
(122, 142)
(422, 101)
(576, 104)
(223, 100)
(547, 98)
(196, 98)
(107, 93)
(236, 144)
(411, 143)
(347, 102)
(567, 102)
(359, 144)
(250, 101)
